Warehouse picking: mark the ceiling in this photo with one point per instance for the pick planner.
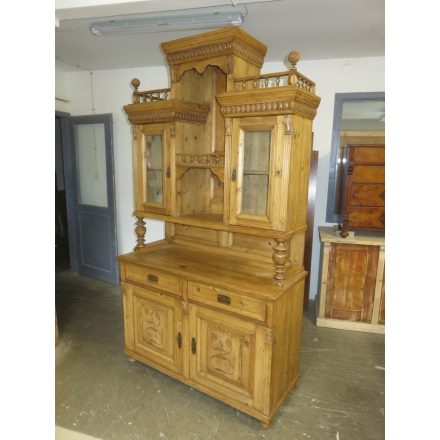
(318, 29)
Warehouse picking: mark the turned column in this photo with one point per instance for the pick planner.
(140, 230)
(279, 257)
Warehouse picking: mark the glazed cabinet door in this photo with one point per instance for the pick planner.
(152, 168)
(156, 327)
(230, 356)
(257, 161)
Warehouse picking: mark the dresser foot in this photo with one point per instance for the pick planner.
(266, 425)
(131, 359)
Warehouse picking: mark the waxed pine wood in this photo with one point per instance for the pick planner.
(218, 303)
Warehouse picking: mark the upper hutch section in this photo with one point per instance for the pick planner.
(225, 147)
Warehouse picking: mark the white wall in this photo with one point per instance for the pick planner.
(112, 91)
(60, 92)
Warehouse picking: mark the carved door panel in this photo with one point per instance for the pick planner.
(230, 356)
(257, 159)
(157, 327)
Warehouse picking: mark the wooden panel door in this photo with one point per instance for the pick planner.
(230, 356)
(92, 185)
(351, 282)
(256, 176)
(157, 327)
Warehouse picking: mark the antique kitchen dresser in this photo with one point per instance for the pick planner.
(222, 157)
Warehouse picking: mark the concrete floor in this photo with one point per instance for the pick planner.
(340, 394)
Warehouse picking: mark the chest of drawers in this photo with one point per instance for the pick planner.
(363, 189)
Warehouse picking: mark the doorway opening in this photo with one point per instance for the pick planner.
(62, 257)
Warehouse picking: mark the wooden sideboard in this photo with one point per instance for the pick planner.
(352, 281)
(223, 158)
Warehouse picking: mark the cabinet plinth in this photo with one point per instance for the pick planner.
(223, 158)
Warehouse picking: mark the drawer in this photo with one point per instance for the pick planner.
(153, 278)
(368, 154)
(366, 218)
(227, 300)
(367, 194)
(368, 174)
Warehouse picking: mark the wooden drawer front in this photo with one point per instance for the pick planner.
(226, 300)
(366, 218)
(368, 174)
(153, 278)
(369, 154)
(367, 194)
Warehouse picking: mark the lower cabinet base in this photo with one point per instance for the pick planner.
(265, 420)
(232, 335)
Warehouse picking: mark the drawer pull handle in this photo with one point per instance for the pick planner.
(193, 345)
(152, 278)
(224, 299)
(179, 340)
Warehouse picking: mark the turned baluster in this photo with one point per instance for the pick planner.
(293, 58)
(135, 83)
(279, 257)
(140, 230)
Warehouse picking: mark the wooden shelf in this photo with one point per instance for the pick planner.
(215, 221)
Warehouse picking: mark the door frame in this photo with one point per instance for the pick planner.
(66, 146)
(106, 119)
(68, 150)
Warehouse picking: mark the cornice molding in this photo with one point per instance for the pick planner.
(166, 111)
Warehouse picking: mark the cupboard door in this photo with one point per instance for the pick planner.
(256, 162)
(157, 327)
(152, 169)
(351, 282)
(230, 356)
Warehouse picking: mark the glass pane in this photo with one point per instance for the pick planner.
(92, 170)
(256, 160)
(154, 164)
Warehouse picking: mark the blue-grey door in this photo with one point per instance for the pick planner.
(93, 196)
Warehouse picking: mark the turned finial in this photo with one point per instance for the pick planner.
(293, 58)
(135, 83)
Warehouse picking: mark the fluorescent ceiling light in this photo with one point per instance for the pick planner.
(205, 18)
